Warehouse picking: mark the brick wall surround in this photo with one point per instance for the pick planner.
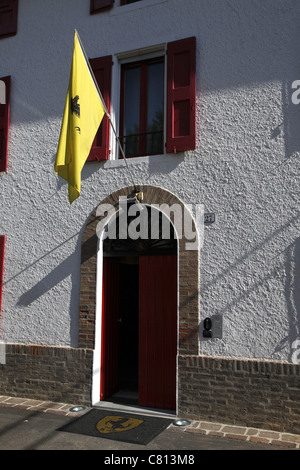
(47, 373)
(241, 392)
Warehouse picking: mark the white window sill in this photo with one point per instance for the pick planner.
(167, 158)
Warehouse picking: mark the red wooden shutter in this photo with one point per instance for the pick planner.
(181, 95)
(99, 5)
(8, 17)
(102, 71)
(4, 123)
(2, 242)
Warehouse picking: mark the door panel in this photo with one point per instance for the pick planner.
(110, 327)
(157, 331)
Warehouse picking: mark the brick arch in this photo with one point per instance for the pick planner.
(188, 277)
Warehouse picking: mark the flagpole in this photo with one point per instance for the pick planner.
(106, 111)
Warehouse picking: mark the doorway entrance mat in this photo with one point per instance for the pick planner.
(118, 426)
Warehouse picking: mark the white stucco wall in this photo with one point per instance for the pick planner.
(245, 168)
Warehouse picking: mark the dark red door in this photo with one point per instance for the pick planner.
(110, 327)
(157, 331)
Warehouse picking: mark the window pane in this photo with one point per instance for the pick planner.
(143, 107)
(132, 110)
(155, 108)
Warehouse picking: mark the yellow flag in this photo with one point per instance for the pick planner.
(82, 117)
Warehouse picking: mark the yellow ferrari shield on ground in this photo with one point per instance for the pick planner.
(114, 424)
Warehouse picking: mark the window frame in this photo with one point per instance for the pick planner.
(143, 104)
(173, 142)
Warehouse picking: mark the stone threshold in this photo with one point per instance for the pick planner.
(263, 436)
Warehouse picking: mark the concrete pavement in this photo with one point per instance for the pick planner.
(32, 424)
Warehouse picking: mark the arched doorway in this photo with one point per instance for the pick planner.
(91, 280)
(139, 313)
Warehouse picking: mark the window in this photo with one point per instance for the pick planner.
(4, 120)
(2, 242)
(142, 108)
(151, 121)
(8, 17)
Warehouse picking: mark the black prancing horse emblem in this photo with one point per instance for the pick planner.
(75, 106)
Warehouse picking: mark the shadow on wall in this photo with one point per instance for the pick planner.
(70, 266)
(289, 126)
(292, 294)
(292, 289)
(291, 119)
